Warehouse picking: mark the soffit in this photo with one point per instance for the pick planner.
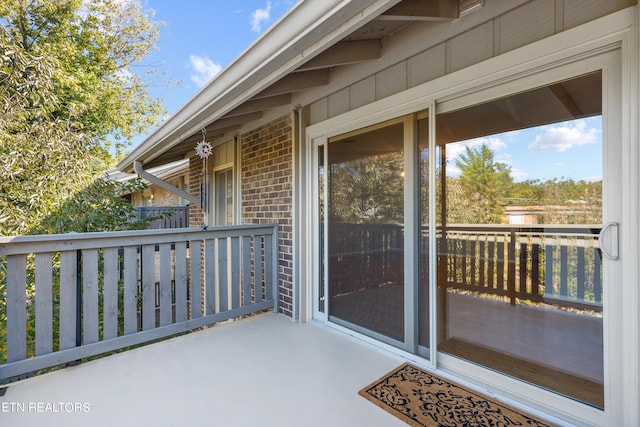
(360, 45)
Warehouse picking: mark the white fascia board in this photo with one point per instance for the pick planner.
(306, 30)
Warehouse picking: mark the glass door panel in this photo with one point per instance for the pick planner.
(519, 209)
(224, 197)
(365, 231)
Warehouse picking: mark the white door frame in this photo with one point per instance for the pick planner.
(533, 64)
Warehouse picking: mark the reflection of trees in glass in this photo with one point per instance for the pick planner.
(484, 184)
(566, 201)
(368, 190)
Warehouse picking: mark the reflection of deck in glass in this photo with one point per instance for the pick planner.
(543, 345)
(525, 301)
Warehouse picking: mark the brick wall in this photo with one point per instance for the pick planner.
(196, 215)
(267, 192)
(164, 197)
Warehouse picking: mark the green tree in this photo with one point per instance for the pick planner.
(70, 92)
(485, 182)
(368, 190)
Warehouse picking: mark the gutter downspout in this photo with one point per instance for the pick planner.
(137, 167)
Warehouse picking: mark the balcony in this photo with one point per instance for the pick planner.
(69, 298)
(265, 370)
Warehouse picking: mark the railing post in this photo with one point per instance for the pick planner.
(275, 265)
(511, 273)
(78, 299)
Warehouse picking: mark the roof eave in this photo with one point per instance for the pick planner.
(305, 31)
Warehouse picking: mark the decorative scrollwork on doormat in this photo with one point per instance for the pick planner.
(423, 399)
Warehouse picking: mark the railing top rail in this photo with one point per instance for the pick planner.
(185, 207)
(537, 229)
(75, 241)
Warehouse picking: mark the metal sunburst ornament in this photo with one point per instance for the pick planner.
(204, 150)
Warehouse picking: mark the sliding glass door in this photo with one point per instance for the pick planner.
(365, 231)
(483, 232)
(520, 284)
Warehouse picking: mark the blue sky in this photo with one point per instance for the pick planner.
(200, 37)
(570, 149)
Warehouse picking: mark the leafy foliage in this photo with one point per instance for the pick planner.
(485, 186)
(485, 182)
(96, 207)
(69, 92)
(368, 190)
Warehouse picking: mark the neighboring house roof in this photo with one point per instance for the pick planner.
(295, 54)
(163, 171)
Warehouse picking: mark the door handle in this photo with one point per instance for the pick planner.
(610, 242)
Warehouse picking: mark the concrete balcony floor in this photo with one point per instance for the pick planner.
(261, 371)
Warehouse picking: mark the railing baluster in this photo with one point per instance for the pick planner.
(500, 263)
(257, 268)
(564, 267)
(223, 274)
(511, 273)
(110, 294)
(68, 299)
(548, 265)
(90, 320)
(474, 257)
(523, 268)
(210, 276)
(181, 281)
(131, 269)
(195, 253)
(235, 272)
(148, 261)
(16, 307)
(580, 272)
(166, 316)
(270, 268)
(464, 256)
(535, 268)
(597, 278)
(246, 270)
(44, 303)
(481, 265)
(490, 262)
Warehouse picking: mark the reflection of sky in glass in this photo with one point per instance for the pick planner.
(570, 149)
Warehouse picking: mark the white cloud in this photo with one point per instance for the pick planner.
(518, 174)
(260, 16)
(203, 69)
(456, 149)
(564, 137)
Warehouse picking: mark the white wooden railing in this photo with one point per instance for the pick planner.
(68, 297)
